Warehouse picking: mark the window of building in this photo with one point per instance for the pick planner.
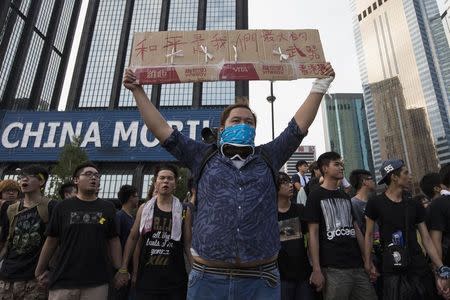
(364, 14)
(359, 17)
(374, 5)
(380, 2)
(369, 10)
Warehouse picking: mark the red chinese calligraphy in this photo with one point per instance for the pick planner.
(198, 39)
(174, 42)
(282, 37)
(298, 36)
(141, 49)
(294, 50)
(218, 41)
(312, 52)
(243, 40)
(268, 36)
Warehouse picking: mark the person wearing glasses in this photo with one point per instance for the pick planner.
(23, 235)
(84, 229)
(292, 258)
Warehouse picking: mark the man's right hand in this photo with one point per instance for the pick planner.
(129, 80)
(317, 280)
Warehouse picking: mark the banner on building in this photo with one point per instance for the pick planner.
(107, 135)
(196, 56)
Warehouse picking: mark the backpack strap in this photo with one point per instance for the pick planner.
(42, 209)
(265, 156)
(12, 212)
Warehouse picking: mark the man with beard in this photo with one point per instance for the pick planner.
(23, 236)
(84, 229)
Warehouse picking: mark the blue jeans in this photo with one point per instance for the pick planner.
(296, 290)
(206, 286)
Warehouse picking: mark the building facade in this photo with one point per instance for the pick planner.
(445, 16)
(307, 153)
(35, 42)
(346, 132)
(403, 58)
(103, 113)
(106, 46)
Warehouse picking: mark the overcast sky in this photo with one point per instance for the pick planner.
(332, 18)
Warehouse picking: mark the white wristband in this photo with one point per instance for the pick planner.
(321, 85)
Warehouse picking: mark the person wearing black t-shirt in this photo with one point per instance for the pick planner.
(438, 219)
(162, 238)
(404, 267)
(336, 242)
(23, 235)
(292, 258)
(84, 229)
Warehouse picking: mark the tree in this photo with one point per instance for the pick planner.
(70, 157)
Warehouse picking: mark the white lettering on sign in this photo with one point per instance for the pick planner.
(5, 136)
(51, 135)
(92, 136)
(55, 134)
(30, 133)
(121, 134)
(67, 131)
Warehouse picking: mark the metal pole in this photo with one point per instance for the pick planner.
(271, 99)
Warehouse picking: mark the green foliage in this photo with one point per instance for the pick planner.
(70, 157)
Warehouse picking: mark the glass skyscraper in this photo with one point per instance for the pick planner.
(35, 42)
(403, 58)
(346, 132)
(106, 46)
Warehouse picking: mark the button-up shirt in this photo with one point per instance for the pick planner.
(236, 216)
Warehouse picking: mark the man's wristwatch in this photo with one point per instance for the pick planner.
(443, 272)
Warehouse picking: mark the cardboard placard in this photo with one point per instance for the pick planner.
(197, 56)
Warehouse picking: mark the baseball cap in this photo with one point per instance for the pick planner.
(388, 166)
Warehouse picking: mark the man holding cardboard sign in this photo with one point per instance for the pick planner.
(235, 239)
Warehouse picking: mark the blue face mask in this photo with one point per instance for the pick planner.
(239, 135)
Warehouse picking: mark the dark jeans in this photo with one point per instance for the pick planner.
(296, 290)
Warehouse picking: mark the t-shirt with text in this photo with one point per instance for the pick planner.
(332, 210)
(84, 229)
(25, 247)
(161, 263)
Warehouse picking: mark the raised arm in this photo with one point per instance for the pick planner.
(307, 112)
(152, 117)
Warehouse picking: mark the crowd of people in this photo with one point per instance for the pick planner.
(246, 230)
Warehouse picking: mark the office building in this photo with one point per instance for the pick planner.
(346, 132)
(405, 71)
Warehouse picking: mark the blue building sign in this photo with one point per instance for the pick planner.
(107, 135)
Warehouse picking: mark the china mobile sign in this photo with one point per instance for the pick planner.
(107, 135)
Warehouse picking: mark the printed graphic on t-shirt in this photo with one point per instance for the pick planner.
(338, 217)
(159, 242)
(27, 235)
(290, 229)
(86, 217)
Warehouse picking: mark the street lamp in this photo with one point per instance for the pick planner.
(271, 99)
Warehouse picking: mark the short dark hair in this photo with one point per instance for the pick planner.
(169, 167)
(65, 188)
(428, 182)
(444, 173)
(282, 177)
(80, 168)
(300, 163)
(226, 112)
(357, 177)
(325, 159)
(125, 192)
(396, 172)
(313, 166)
(36, 170)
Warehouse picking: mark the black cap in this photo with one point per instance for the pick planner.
(388, 166)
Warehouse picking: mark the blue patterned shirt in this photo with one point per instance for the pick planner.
(236, 216)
